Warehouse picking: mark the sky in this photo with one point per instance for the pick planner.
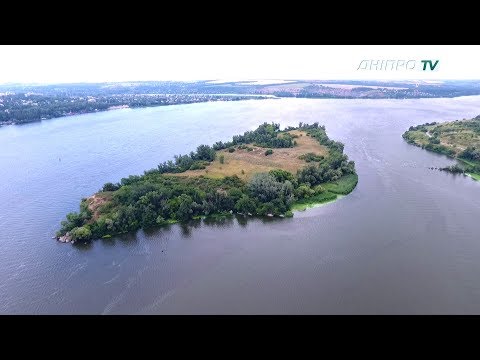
(110, 63)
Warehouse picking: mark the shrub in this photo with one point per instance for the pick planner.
(81, 233)
(161, 221)
(110, 187)
(309, 157)
(197, 165)
(282, 175)
(265, 209)
(440, 149)
(264, 187)
(304, 192)
(222, 159)
(268, 152)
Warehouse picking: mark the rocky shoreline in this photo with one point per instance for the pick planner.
(67, 238)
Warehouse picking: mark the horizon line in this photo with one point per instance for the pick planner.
(220, 81)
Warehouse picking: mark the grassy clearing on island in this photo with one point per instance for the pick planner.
(245, 163)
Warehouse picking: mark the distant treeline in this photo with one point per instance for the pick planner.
(21, 103)
(24, 108)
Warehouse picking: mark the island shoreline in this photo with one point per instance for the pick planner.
(266, 172)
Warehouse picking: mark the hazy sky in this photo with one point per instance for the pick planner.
(98, 63)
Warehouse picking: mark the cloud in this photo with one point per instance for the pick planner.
(97, 63)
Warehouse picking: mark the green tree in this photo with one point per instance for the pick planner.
(161, 221)
(264, 187)
(304, 192)
(282, 175)
(235, 194)
(81, 233)
(245, 205)
(185, 207)
(205, 152)
(265, 209)
(110, 187)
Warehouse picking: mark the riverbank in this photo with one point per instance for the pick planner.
(334, 190)
(314, 203)
(472, 165)
(36, 111)
(459, 140)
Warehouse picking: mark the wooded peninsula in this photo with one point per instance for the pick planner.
(264, 172)
(459, 139)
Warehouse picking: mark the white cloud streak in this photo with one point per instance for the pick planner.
(99, 63)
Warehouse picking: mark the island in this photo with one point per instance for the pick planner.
(265, 172)
(459, 139)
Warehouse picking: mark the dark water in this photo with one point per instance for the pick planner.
(407, 240)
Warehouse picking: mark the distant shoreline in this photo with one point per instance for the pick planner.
(457, 139)
(246, 97)
(223, 98)
(23, 103)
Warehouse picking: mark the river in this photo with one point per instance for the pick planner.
(405, 241)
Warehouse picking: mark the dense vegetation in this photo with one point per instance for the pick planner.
(157, 198)
(21, 108)
(327, 169)
(309, 157)
(457, 139)
(267, 135)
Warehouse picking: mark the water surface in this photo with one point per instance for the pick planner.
(405, 241)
